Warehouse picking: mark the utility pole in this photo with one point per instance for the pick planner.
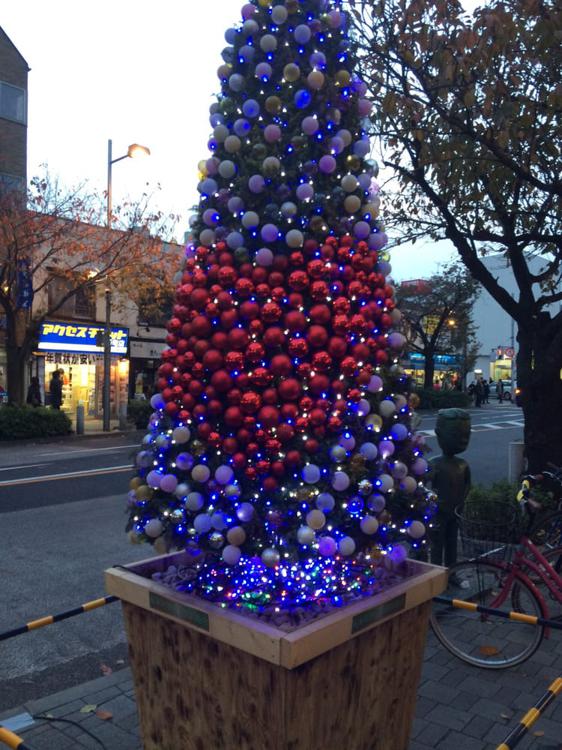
(107, 362)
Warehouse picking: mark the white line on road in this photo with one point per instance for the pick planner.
(68, 475)
(21, 466)
(88, 450)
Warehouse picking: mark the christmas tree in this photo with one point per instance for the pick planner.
(280, 453)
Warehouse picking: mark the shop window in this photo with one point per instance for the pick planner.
(12, 102)
(81, 304)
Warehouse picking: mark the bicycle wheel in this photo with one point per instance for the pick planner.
(548, 531)
(554, 557)
(484, 640)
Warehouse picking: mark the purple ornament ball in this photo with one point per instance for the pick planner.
(251, 108)
(327, 164)
(269, 233)
(256, 183)
(377, 240)
(310, 125)
(305, 191)
(272, 133)
(264, 257)
(364, 107)
(361, 230)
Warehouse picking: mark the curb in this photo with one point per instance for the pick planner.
(68, 438)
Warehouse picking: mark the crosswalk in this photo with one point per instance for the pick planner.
(510, 424)
(487, 419)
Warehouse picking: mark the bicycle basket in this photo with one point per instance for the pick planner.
(491, 529)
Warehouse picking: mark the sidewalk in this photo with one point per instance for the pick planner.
(459, 707)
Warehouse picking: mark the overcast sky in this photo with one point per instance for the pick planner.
(134, 71)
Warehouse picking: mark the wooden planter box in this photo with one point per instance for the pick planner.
(207, 678)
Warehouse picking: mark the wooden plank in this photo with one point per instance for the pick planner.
(195, 693)
(268, 642)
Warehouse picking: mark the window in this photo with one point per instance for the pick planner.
(80, 305)
(12, 102)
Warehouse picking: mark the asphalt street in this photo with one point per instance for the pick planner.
(62, 522)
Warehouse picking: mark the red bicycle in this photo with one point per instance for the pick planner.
(505, 570)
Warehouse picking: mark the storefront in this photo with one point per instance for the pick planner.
(144, 363)
(76, 351)
(447, 368)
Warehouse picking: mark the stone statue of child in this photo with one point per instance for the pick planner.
(450, 479)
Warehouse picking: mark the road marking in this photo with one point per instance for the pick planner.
(21, 466)
(132, 446)
(489, 426)
(68, 475)
(426, 433)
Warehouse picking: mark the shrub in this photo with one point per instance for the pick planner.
(27, 422)
(139, 412)
(494, 512)
(430, 399)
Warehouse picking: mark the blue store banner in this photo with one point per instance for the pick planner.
(79, 337)
(24, 298)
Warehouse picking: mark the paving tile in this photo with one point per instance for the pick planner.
(456, 741)
(435, 692)
(478, 726)
(449, 717)
(432, 734)
(479, 687)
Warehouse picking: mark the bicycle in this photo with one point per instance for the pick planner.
(505, 570)
(547, 530)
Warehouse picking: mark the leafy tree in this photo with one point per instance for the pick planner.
(54, 251)
(468, 108)
(437, 316)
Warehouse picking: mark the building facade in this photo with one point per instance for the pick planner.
(13, 115)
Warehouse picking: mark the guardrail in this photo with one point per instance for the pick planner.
(514, 737)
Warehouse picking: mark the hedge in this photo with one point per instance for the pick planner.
(29, 422)
(139, 412)
(431, 399)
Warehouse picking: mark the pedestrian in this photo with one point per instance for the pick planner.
(486, 387)
(500, 390)
(34, 393)
(55, 389)
(479, 392)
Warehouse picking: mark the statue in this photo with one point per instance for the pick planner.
(450, 478)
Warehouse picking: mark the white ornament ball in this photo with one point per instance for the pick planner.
(369, 451)
(399, 470)
(200, 473)
(306, 535)
(400, 401)
(311, 473)
(224, 474)
(268, 43)
(181, 490)
(385, 483)
(153, 528)
(352, 204)
(337, 453)
(232, 491)
(218, 521)
(387, 408)
(270, 557)
(325, 502)
(349, 183)
(416, 530)
(227, 169)
(340, 481)
(294, 238)
(376, 503)
(409, 485)
(375, 384)
(194, 501)
(316, 519)
(202, 523)
(245, 512)
(396, 340)
(250, 220)
(386, 448)
(419, 466)
(236, 536)
(279, 14)
(346, 546)
(232, 144)
(288, 209)
(231, 554)
(369, 525)
(181, 435)
(327, 546)
(221, 133)
(363, 407)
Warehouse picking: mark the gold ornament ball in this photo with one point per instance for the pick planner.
(316, 80)
(144, 492)
(224, 71)
(161, 546)
(291, 72)
(197, 448)
(385, 518)
(372, 209)
(317, 223)
(133, 537)
(273, 105)
(292, 5)
(264, 3)
(135, 483)
(352, 204)
(343, 78)
(353, 162)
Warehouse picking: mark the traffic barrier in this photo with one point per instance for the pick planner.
(514, 737)
(515, 616)
(43, 621)
(12, 740)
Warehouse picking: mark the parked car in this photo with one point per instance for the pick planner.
(507, 389)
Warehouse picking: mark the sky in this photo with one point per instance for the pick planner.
(136, 72)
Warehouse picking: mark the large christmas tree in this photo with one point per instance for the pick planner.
(280, 452)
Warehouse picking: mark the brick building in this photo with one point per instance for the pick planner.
(13, 114)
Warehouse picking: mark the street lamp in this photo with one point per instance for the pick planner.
(134, 150)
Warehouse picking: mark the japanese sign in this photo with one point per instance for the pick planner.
(77, 337)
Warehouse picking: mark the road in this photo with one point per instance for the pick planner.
(62, 519)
